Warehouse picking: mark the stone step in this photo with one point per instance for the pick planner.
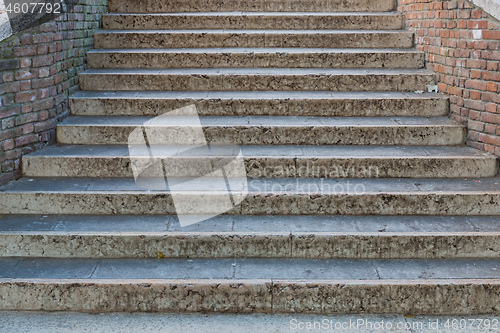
(255, 57)
(116, 39)
(227, 236)
(418, 286)
(253, 20)
(255, 224)
(155, 6)
(272, 161)
(258, 130)
(261, 103)
(377, 196)
(257, 79)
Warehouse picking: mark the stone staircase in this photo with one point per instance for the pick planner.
(382, 208)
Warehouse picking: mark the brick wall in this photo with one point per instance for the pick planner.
(462, 45)
(38, 71)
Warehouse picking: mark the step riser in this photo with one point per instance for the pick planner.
(259, 245)
(344, 202)
(155, 6)
(269, 21)
(276, 296)
(249, 60)
(256, 82)
(278, 135)
(119, 40)
(277, 167)
(267, 107)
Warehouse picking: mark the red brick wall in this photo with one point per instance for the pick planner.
(462, 45)
(38, 71)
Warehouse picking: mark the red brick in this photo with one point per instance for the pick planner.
(25, 140)
(491, 97)
(475, 95)
(491, 107)
(24, 51)
(492, 86)
(43, 38)
(475, 84)
(474, 104)
(490, 129)
(491, 76)
(475, 74)
(45, 126)
(489, 139)
(490, 118)
(10, 88)
(8, 112)
(491, 55)
(475, 125)
(25, 62)
(8, 144)
(23, 74)
(487, 34)
(492, 66)
(25, 96)
(477, 25)
(43, 61)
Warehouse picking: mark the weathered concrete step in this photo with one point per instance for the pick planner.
(379, 196)
(255, 20)
(255, 57)
(155, 6)
(189, 322)
(258, 130)
(326, 245)
(271, 161)
(257, 79)
(460, 286)
(254, 224)
(261, 103)
(116, 39)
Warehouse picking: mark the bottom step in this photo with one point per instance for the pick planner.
(252, 285)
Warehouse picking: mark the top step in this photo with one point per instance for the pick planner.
(157, 6)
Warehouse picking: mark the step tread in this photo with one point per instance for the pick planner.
(283, 186)
(272, 95)
(250, 225)
(295, 121)
(256, 269)
(258, 71)
(260, 13)
(256, 50)
(255, 31)
(290, 151)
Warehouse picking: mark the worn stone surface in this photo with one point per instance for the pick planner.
(247, 224)
(155, 6)
(403, 296)
(297, 103)
(68, 322)
(322, 296)
(349, 245)
(119, 39)
(248, 20)
(349, 106)
(248, 58)
(273, 162)
(255, 79)
(71, 322)
(266, 196)
(136, 295)
(272, 131)
(395, 245)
